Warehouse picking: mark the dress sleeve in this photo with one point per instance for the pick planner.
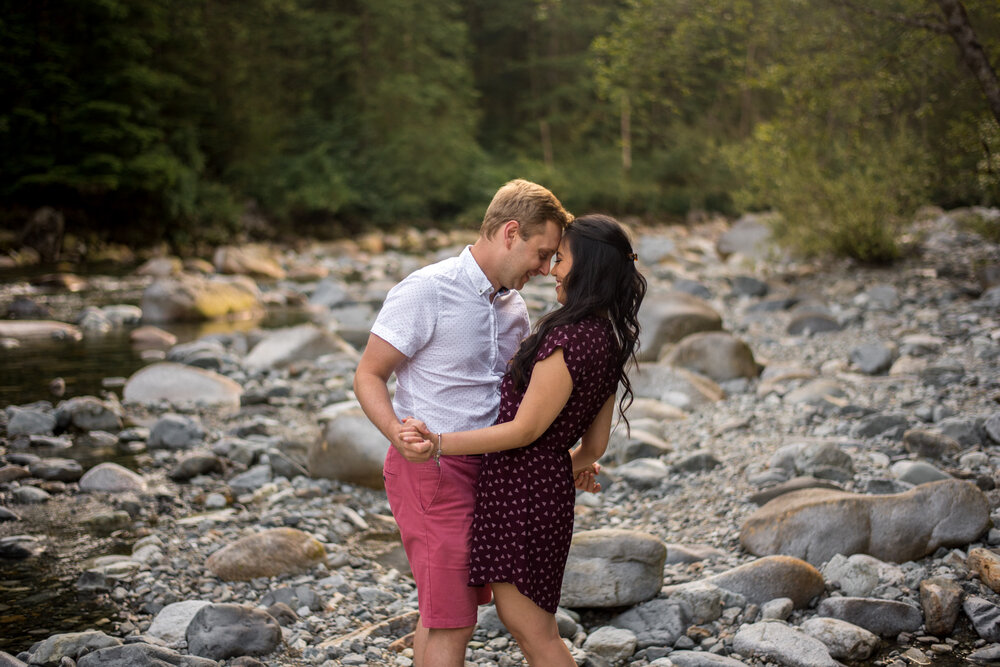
(566, 337)
(409, 315)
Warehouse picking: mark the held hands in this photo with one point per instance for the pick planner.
(415, 441)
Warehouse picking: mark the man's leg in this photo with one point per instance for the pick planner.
(440, 647)
(535, 629)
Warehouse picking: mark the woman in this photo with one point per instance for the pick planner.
(560, 387)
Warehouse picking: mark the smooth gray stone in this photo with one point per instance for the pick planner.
(654, 249)
(985, 617)
(612, 568)
(692, 287)
(812, 323)
(8, 515)
(195, 463)
(880, 425)
(988, 655)
(658, 622)
(110, 477)
(718, 355)
(294, 597)
(62, 470)
(918, 472)
(642, 473)
(886, 618)
(350, 450)
(30, 495)
(669, 316)
(21, 421)
(173, 431)
(965, 430)
(251, 480)
(749, 286)
(615, 645)
(701, 462)
(702, 659)
(872, 358)
(794, 484)
(88, 413)
(142, 655)
(816, 524)
(992, 427)
(284, 466)
(750, 236)
(21, 546)
(844, 640)
(71, 644)
(942, 375)
(7, 660)
(171, 622)
(221, 631)
(281, 347)
(784, 644)
(884, 297)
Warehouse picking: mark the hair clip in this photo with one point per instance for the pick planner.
(633, 256)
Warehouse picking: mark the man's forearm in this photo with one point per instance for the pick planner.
(373, 395)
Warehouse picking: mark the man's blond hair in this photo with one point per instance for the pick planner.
(529, 203)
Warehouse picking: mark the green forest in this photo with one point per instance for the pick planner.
(144, 121)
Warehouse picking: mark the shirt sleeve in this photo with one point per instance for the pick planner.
(409, 315)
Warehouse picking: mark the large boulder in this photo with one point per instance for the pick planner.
(783, 644)
(668, 317)
(191, 298)
(283, 346)
(266, 554)
(612, 568)
(28, 331)
(715, 354)
(221, 631)
(816, 524)
(351, 449)
(180, 384)
(762, 580)
(677, 387)
(141, 654)
(252, 260)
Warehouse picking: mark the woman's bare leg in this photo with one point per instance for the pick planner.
(534, 628)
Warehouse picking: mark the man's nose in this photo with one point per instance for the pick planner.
(545, 268)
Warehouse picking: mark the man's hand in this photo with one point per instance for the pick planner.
(414, 441)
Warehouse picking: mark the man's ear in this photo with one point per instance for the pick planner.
(511, 229)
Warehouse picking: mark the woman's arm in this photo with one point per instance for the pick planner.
(595, 439)
(548, 391)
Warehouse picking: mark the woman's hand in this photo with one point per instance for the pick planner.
(586, 478)
(417, 445)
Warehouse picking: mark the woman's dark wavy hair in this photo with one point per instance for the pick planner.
(603, 280)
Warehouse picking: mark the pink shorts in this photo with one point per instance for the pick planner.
(433, 507)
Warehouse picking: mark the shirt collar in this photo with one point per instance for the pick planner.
(480, 282)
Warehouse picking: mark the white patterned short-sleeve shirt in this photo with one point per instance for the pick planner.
(457, 343)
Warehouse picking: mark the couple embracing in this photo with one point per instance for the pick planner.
(486, 415)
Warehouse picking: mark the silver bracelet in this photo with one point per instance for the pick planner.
(437, 453)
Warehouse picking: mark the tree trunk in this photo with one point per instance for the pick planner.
(626, 134)
(972, 52)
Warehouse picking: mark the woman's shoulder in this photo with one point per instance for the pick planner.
(589, 329)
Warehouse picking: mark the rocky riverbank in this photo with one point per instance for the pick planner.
(810, 479)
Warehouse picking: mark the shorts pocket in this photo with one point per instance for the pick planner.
(429, 484)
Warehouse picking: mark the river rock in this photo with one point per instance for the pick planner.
(929, 444)
(821, 393)
(8, 515)
(793, 484)
(985, 616)
(111, 477)
(177, 432)
(195, 463)
(886, 618)
(657, 622)
(180, 385)
(283, 346)
(161, 267)
(881, 425)
(251, 480)
(940, 600)
(697, 659)
(71, 644)
(21, 546)
(715, 354)
(668, 317)
(750, 236)
(767, 578)
(823, 459)
(808, 323)
(815, 524)
(614, 645)
(612, 568)
(88, 413)
(25, 421)
(266, 554)
(35, 331)
(220, 631)
(190, 298)
(784, 644)
(641, 473)
(251, 260)
(148, 337)
(170, 623)
(873, 358)
(677, 387)
(986, 564)
(351, 449)
(63, 470)
(141, 654)
(30, 495)
(991, 426)
(748, 286)
(859, 574)
(843, 640)
(917, 472)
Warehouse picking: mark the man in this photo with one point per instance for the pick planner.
(447, 332)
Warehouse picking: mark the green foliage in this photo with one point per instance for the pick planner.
(166, 120)
(846, 194)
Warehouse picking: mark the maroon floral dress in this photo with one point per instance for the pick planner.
(523, 521)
